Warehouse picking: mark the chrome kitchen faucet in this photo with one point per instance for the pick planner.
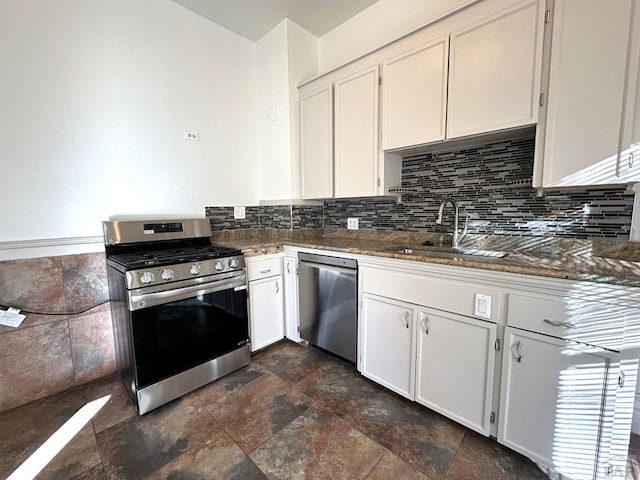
(457, 236)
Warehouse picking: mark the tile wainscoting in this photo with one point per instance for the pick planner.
(479, 179)
(51, 353)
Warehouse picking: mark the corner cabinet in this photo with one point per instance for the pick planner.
(266, 297)
(316, 143)
(291, 297)
(554, 394)
(494, 72)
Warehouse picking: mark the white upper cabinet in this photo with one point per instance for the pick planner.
(356, 134)
(578, 143)
(477, 71)
(494, 72)
(628, 166)
(316, 143)
(414, 93)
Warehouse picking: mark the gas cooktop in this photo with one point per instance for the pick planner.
(158, 258)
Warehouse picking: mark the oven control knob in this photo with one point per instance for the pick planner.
(166, 274)
(219, 265)
(147, 278)
(194, 269)
(233, 263)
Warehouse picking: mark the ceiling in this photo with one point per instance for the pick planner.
(254, 18)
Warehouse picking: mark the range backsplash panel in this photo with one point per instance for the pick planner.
(479, 180)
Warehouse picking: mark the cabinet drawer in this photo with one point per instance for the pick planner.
(263, 268)
(571, 318)
(451, 296)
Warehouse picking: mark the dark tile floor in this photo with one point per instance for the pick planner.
(293, 413)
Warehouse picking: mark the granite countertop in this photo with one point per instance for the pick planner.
(603, 261)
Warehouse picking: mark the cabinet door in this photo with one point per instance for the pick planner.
(585, 93)
(388, 343)
(316, 144)
(552, 400)
(414, 96)
(494, 72)
(356, 134)
(291, 298)
(628, 167)
(455, 363)
(266, 311)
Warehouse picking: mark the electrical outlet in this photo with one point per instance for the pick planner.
(191, 135)
(238, 213)
(352, 223)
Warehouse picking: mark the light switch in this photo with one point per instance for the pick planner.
(482, 306)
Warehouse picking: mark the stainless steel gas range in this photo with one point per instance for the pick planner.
(179, 307)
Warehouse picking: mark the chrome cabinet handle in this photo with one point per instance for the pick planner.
(406, 319)
(631, 160)
(621, 379)
(559, 324)
(288, 268)
(265, 271)
(277, 287)
(518, 349)
(425, 324)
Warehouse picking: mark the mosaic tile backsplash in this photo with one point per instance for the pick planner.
(278, 216)
(479, 179)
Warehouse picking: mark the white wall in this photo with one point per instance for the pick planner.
(273, 114)
(95, 98)
(286, 56)
(381, 23)
(303, 64)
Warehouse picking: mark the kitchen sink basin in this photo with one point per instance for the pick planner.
(448, 252)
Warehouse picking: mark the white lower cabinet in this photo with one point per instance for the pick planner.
(388, 343)
(455, 365)
(291, 297)
(553, 402)
(266, 301)
(547, 366)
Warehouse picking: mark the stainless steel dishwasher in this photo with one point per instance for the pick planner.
(328, 303)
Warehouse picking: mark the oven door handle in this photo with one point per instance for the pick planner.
(137, 302)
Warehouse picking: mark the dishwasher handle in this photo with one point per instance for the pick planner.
(323, 266)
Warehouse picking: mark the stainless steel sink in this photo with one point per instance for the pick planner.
(448, 252)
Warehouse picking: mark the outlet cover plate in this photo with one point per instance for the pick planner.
(191, 135)
(482, 306)
(239, 213)
(352, 223)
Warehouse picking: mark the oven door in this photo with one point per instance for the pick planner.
(180, 329)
